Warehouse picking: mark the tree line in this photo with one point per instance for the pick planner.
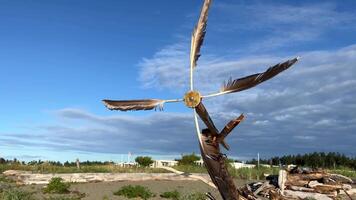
(329, 160)
(55, 163)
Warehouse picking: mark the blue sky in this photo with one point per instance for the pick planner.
(58, 59)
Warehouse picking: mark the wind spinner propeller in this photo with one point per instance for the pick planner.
(210, 138)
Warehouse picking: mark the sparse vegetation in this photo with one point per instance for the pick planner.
(130, 191)
(191, 168)
(105, 197)
(63, 198)
(49, 168)
(16, 194)
(3, 179)
(194, 196)
(57, 186)
(253, 173)
(175, 195)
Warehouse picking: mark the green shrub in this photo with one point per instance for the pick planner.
(130, 191)
(56, 185)
(5, 180)
(171, 195)
(15, 194)
(195, 196)
(144, 161)
(188, 159)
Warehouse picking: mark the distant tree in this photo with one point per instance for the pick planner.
(315, 160)
(188, 159)
(67, 164)
(144, 161)
(2, 161)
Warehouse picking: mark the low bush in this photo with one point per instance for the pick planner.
(63, 198)
(15, 194)
(130, 191)
(175, 195)
(195, 196)
(57, 186)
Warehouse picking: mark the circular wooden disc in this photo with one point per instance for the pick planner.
(192, 99)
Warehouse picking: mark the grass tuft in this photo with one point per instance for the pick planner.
(57, 186)
(175, 195)
(130, 191)
(15, 194)
(195, 196)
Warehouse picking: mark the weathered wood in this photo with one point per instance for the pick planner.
(275, 195)
(327, 189)
(309, 176)
(302, 195)
(261, 188)
(247, 192)
(341, 179)
(215, 163)
(312, 184)
(282, 179)
(302, 189)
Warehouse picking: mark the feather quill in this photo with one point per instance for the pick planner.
(199, 34)
(143, 104)
(255, 79)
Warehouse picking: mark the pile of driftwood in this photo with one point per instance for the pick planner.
(299, 183)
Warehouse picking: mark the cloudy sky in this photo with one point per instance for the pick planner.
(59, 59)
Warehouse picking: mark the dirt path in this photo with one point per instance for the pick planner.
(202, 177)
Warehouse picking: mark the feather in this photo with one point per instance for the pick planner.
(144, 104)
(255, 79)
(205, 117)
(199, 34)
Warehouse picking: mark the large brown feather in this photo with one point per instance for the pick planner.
(199, 34)
(255, 79)
(143, 104)
(205, 117)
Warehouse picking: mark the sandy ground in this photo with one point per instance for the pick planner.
(100, 190)
(97, 191)
(104, 190)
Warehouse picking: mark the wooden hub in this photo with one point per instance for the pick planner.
(192, 99)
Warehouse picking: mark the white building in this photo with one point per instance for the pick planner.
(126, 164)
(200, 162)
(238, 165)
(164, 163)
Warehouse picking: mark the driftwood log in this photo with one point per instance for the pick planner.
(300, 183)
(214, 160)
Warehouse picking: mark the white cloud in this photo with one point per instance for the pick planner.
(315, 99)
(312, 100)
(320, 87)
(283, 24)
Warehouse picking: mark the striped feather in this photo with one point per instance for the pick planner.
(199, 34)
(143, 104)
(255, 79)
